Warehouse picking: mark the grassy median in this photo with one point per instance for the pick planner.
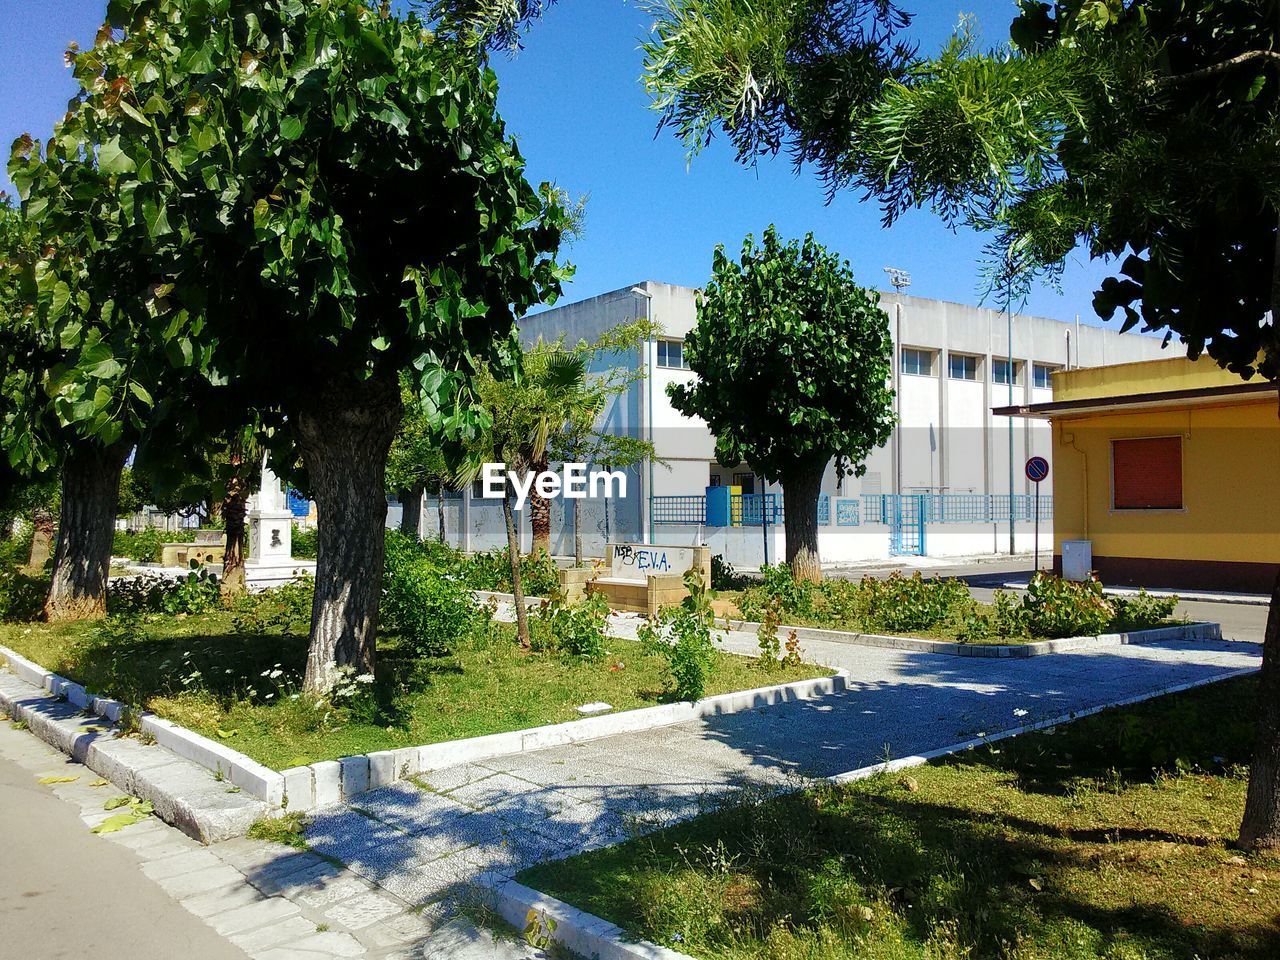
(1107, 838)
(243, 689)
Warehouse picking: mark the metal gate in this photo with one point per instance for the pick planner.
(906, 525)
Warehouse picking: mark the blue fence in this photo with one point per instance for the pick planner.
(748, 508)
(679, 509)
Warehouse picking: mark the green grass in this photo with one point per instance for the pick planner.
(243, 690)
(1107, 838)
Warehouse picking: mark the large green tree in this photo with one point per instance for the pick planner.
(793, 363)
(333, 200)
(1146, 131)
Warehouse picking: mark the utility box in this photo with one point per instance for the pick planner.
(719, 502)
(1077, 559)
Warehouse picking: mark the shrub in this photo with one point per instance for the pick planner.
(21, 594)
(1141, 612)
(900, 603)
(197, 592)
(1054, 607)
(578, 630)
(683, 636)
(492, 571)
(144, 546)
(285, 609)
(430, 607)
(725, 577)
(304, 542)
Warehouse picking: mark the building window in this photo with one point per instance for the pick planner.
(917, 362)
(1000, 370)
(671, 354)
(1146, 474)
(1042, 375)
(961, 367)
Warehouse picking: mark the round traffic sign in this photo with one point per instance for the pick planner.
(1037, 469)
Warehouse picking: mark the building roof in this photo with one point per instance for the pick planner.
(1144, 385)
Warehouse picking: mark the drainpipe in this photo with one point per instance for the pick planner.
(650, 347)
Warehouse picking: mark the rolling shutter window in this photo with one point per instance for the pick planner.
(1146, 474)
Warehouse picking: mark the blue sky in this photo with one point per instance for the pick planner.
(573, 99)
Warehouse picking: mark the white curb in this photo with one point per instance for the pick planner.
(1016, 651)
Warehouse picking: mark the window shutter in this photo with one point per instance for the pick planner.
(1147, 473)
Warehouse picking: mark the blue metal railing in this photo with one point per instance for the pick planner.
(958, 507)
(679, 509)
(746, 509)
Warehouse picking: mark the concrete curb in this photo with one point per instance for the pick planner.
(592, 936)
(585, 934)
(181, 790)
(1017, 651)
(318, 784)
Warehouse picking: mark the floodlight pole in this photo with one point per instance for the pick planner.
(1008, 313)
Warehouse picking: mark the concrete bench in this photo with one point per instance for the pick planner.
(641, 578)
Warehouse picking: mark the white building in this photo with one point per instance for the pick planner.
(949, 458)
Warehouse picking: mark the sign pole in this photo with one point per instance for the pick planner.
(1037, 469)
(1037, 531)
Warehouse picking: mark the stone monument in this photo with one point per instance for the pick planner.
(270, 561)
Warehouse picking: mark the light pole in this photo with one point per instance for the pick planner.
(900, 280)
(1008, 316)
(648, 380)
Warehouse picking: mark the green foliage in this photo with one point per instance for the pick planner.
(315, 157)
(430, 607)
(304, 541)
(903, 604)
(492, 571)
(682, 634)
(145, 545)
(725, 577)
(773, 337)
(21, 594)
(1141, 612)
(576, 629)
(1055, 607)
(285, 609)
(288, 828)
(196, 592)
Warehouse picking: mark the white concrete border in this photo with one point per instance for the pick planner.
(1039, 648)
(592, 936)
(317, 784)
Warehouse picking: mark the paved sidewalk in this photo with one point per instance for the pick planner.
(148, 892)
(434, 841)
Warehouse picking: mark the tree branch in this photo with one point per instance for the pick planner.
(1217, 68)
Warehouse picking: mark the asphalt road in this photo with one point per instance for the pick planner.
(68, 893)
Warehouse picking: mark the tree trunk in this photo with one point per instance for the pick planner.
(411, 513)
(90, 492)
(577, 532)
(801, 488)
(440, 511)
(232, 585)
(41, 540)
(540, 514)
(1260, 828)
(517, 584)
(344, 433)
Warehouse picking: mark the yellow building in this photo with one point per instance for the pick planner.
(1165, 474)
